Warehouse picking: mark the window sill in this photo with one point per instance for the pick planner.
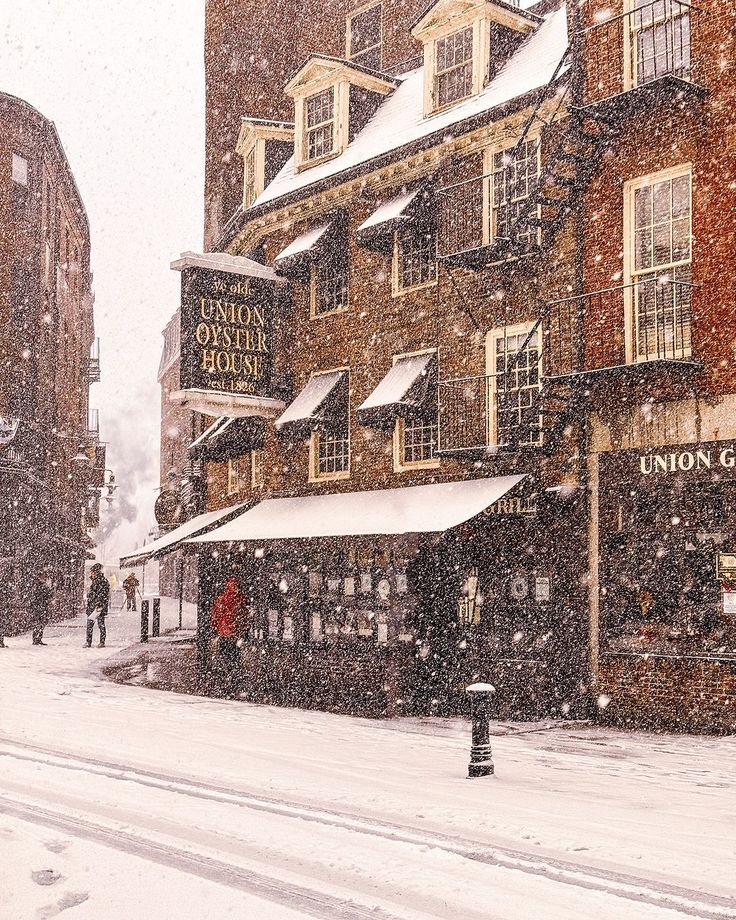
(313, 315)
(448, 105)
(396, 293)
(419, 465)
(330, 477)
(308, 164)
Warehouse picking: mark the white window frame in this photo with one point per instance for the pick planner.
(400, 465)
(316, 436)
(397, 287)
(489, 209)
(313, 281)
(253, 169)
(631, 274)
(493, 335)
(19, 170)
(233, 476)
(366, 7)
(257, 470)
(437, 74)
(308, 130)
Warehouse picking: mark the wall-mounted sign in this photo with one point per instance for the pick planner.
(226, 329)
(504, 506)
(696, 458)
(168, 509)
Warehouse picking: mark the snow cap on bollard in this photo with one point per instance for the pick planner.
(481, 758)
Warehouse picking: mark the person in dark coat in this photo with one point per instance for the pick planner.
(98, 599)
(130, 586)
(228, 616)
(41, 597)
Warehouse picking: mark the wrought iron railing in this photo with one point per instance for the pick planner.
(647, 320)
(659, 38)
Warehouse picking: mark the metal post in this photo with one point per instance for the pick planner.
(144, 620)
(156, 625)
(181, 590)
(481, 759)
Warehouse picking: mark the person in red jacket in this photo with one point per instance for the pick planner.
(228, 618)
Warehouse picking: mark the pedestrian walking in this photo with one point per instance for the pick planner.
(41, 595)
(98, 604)
(130, 586)
(228, 614)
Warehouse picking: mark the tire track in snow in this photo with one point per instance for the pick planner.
(685, 901)
(297, 898)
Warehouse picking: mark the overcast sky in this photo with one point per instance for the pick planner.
(124, 83)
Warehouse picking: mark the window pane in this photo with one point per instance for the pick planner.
(643, 206)
(681, 196)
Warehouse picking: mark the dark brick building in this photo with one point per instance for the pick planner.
(48, 358)
(506, 233)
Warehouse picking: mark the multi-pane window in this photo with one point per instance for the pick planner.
(329, 284)
(364, 37)
(20, 169)
(453, 67)
(233, 476)
(662, 271)
(418, 439)
(332, 451)
(660, 40)
(257, 470)
(416, 258)
(515, 387)
(319, 119)
(514, 175)
(249, 181)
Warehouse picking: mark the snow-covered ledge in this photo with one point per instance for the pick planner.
(224, 262)
(232, 405)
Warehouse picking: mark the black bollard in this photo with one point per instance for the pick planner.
(481, 758)
(144, 620)
(156, 625)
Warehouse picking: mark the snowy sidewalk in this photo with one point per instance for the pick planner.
(595, 806)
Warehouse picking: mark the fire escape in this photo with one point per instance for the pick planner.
(615, 69)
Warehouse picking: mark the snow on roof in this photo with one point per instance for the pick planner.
(304, 242)
(390, 210)
(307, 403)
(224, 262)
(412, 509)
(399, 380)
(400, 118)
(169, 541)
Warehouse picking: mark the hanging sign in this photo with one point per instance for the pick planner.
(226, 332)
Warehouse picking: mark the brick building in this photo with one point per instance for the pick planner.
(51, 461)
(499, 238)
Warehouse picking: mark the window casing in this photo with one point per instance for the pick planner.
(364, 37)
(453, 67)
(250, 177)
(233, 477)
(319, 124)
(514, 360)
(415, 259)
(416, 441)
(329, 284)
(513, 176)
(257, 470)
(659, 260)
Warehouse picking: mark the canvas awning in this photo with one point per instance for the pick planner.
(296, 257)
(198, 444)
(314, 402)
(402, 391)
(378, 230)
(414, 509)
(170, 541)
(228, 438)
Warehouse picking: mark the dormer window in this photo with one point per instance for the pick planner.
(333, 100)
(364, 37)
(319, 120)
(264, 146)
(453, 62)
(465, 43)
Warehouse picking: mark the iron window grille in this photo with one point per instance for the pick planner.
(320, 124)
(453, 72)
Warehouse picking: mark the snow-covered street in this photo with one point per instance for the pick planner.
(199, 807)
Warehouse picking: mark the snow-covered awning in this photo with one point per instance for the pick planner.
(170, 541)
(378, 230)
(389, 211)
(404, 389)
(292, 259)
(414, 509)
(313, 401)
(224, 262)
(199, 443)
